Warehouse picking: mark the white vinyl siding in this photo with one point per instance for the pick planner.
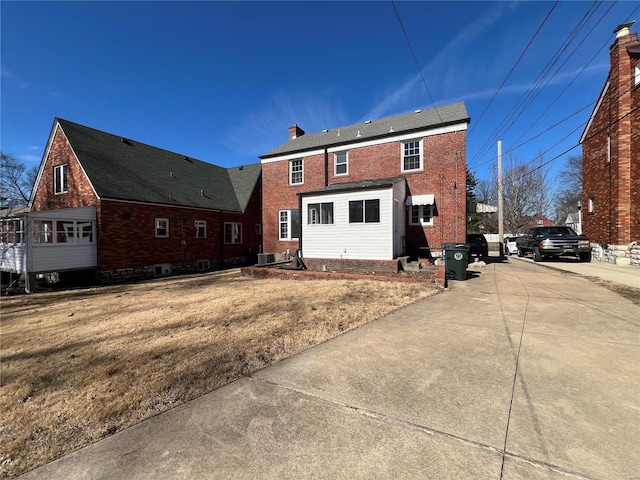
(364, 241)
(73, 245)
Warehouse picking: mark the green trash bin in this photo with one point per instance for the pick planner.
(456, 259)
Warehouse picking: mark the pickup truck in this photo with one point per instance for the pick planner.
(554, 241)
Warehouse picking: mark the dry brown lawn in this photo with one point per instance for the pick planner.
(77, 366)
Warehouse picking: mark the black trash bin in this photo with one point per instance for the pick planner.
(456, 259)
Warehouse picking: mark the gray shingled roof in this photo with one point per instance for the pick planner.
(385, 127)
(124, 169)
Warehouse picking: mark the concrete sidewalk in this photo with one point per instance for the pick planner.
(624, 274)
(520, 372)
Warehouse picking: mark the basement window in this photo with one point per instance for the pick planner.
(203, 265)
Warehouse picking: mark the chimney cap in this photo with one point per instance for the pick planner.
(623, 29)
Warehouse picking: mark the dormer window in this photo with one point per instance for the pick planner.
(60, 179)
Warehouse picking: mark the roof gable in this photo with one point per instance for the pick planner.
(124, 169)
(418, 120)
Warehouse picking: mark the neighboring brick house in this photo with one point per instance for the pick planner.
(611, 153)
(538, 220)
(372, 191)
(133, 211)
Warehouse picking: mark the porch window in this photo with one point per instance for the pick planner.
(340, 163)
(232, 233)
(289, 224)
(43, 231)
(85, 232)
(65, 231)
(162, 227)
(60, 179)
(296, 172)
(320, 213)
(367, 211)
(201, 228)
(411, 155)
(421, 215)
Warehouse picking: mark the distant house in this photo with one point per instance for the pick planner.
(611, 151)
(538, 220)
(130, 211)
(368, 192)
(574, 220)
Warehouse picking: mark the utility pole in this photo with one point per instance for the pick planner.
(500, 202)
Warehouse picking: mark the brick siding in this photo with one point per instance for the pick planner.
(614, 186)
(444, 175)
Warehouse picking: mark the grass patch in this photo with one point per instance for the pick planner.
(77, 366)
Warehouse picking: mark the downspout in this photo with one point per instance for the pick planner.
(326, 167)
(298, 252)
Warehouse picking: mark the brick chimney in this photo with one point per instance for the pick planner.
(295, 131)
(621, 78)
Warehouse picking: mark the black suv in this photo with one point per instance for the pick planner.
(478, 244)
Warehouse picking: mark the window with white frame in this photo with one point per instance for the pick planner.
(340, 163)
(320, 213)
(162, 227)
(592, 205)
(637, 74)
(11, 231)
(60, 179)
(203, 265)
(364, 211)
(411, 155)
(201, 228)
(232, 233)
(62, 231)
(421, 215)
(289, 224)
(43, 231)
(296, 172)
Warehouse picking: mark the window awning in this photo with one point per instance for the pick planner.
(421, 199)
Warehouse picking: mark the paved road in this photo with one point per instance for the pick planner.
(520, 372)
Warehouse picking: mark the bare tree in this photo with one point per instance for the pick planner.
(16, 182)
(527, 192)
(570, 190)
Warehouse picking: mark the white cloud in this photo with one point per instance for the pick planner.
(268, 127)
(400, 98)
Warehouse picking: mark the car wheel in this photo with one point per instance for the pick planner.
(520, 252)
(585, 257)
(537, 256)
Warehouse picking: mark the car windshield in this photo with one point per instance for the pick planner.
(555, 231)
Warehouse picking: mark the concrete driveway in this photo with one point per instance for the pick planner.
(520, 372)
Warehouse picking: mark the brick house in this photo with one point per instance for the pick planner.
(131, 211)
(368, 192)
(611, 154)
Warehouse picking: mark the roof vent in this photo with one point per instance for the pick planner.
(368, 121)
(417, 111)
(391, 129)
(358, 135)
(325, 130)
(188, 159)
(240, 168)
(338, 132)
(172, 175)
(125, 141)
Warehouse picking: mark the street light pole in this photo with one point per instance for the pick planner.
(500, 202)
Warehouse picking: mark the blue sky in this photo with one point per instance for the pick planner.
(222, 81)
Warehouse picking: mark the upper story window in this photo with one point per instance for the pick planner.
(60, 179)
(592, 205)
(232, 233)
(340, 163)
(421, 215)
(201, 228)
(411, 155)
(289, 224)
(296, 172)
(162, 227)
(364, 211)
(320, 213)
(637, 74)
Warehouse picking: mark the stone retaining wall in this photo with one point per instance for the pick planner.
(616, 254)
